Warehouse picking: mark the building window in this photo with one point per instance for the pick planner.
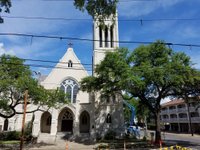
(70, 87)
(70, 64)
(5, 127)
(100, 37)
(48, 123)
(108, 119)
(111, 36)
(106, 36)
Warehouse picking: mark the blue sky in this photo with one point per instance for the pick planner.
(174, 31)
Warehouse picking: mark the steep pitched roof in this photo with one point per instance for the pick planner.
(63, 71)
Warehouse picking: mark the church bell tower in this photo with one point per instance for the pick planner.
(105, 38)
(109, 109)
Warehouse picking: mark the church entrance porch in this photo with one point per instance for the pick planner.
(45, 125)
(66, 125)
(65, 121)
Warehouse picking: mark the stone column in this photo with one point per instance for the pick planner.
(54, 122)
(36, 124)
(109, 39)
(179, 128)
(103, 38)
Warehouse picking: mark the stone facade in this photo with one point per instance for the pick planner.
(86, 116)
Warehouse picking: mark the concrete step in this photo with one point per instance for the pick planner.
(46, 138)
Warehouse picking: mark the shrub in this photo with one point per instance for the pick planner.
(110, 135)
(10, 135)
(28, 131)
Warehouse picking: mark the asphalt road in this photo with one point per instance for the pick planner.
(183, 140)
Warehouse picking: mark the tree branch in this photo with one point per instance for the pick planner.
(32, 111)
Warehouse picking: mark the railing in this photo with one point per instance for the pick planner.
(181, 110)
(164, 111)
(195, 119)
(183, 119)
(192, 109)
(165, 120)
(172, 111)
(170, 120)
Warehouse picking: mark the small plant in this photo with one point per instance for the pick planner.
(9, 135)
(110, 135)
(144, 138)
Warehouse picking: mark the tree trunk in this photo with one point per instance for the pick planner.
(190, 121)
(158, 131)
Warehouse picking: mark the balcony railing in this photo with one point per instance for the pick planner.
(181, 110)
(172, 111)
(195, 119)
(164, 111)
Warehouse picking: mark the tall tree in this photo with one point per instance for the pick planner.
(190, 91)
(15, 78)
(150, 73)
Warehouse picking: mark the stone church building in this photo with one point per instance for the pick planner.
(86, 116)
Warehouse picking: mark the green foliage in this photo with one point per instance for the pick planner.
(10, 135)
(150, 73)
(110, 135)
(5, 5)
(103, 8)
(144, 138)
(15, 78)
(28, 131)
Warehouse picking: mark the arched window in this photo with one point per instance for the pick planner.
(100, 37)
(84, 122)
(70, 87)
(106, 36)
(5, 127)
(70, 64)
(108, 119)
(111, 36)
(84, 119)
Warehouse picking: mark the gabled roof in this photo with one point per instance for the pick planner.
(63, 71)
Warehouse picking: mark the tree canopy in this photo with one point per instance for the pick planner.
(15, 78)
(150, 73)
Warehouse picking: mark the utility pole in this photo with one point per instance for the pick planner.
(24, 118)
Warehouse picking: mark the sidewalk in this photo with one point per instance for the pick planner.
(64, 146)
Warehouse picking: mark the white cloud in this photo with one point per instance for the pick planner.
(4, 51)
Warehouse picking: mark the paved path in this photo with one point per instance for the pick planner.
(62, 146)
(185, 140)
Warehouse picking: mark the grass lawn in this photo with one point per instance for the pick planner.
(10, 142)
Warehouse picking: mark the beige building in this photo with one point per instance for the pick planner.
(86, 117)
(175, 116)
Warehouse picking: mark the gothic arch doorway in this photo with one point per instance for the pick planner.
(84, 122)
(45, 122)
(65, 121)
